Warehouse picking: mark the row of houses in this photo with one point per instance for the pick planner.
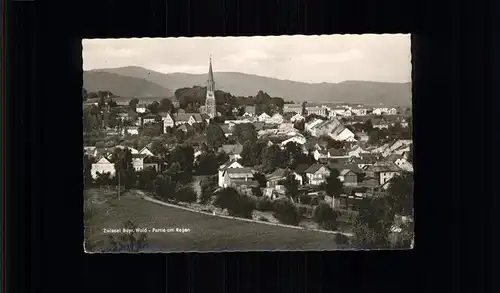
(341, 110)
(309, 177)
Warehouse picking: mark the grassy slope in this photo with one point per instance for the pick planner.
(207, 233)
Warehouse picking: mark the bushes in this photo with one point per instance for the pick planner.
(238, 205)
(326, 217)
(208, 186)
(264, 205)
(305, 199)
(263, 219)
(186, 194)
(286, 213)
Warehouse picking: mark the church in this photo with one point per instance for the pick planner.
(210, 105)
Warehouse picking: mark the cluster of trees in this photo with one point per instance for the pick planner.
(272, 157)
(190, 99)
(372, 227)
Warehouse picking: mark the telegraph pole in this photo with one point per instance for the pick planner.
(119, 187)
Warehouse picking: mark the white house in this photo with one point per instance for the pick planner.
(168, 121)
(383, 171)
(296, 118)
(145, 151)
(141, 108)
(316, 174)
(131, 130)
(275, 119)
(224, 167)
(138, 163)
(392, 111)
(401, 162)
(263, 117)
(103, 166)
(321, 111)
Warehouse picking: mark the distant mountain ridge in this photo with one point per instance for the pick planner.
(241, 84)
(123, 86)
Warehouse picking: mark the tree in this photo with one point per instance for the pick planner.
(272, 158)
(291, 185)
(124, 168)
(147, 178)
(261, 178)
(368, 126)
(133, 104)
(374, 137)
(293, 155)
(400, 194)
(154, 107)
(101, 102)
(184, 155)
(207, 163)
(215, 136)
(165, 105)
(130, 240)
(236, 204)
(285, 212)
(87, 167)
(248, 154)
(326, 217)
(300, 125)
(84, 94)
(333, 185)
(245, 132)
(164, 187)
(373, 223)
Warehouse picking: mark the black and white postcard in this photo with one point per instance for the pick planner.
(275, 143)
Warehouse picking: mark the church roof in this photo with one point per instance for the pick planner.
(211, 82)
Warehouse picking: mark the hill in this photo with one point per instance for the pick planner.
(240, 84)
(123, 86)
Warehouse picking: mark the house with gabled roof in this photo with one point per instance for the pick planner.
(383, 171)
(334, 153)
(280, 174)
(316, 174)
(400, 161)
(228, 165)
(146, 151)
(348, 177)
(264, 117)
(236, 175)
(104, 165)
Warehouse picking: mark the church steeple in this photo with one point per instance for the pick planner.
(210, 104)
(210, 81)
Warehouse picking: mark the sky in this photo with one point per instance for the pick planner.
(314, 59)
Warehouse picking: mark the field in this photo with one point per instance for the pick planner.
(207, 233)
